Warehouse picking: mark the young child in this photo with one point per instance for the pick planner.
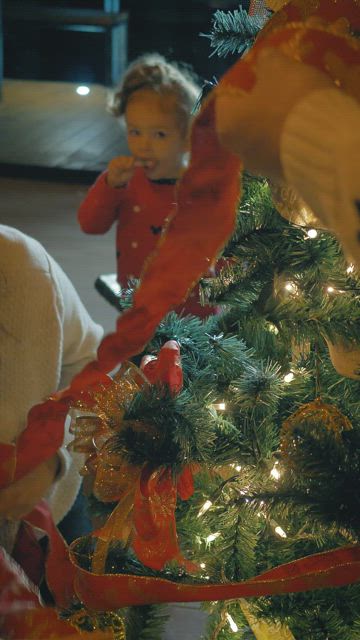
(137, 192)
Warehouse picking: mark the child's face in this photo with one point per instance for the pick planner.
(154, 135)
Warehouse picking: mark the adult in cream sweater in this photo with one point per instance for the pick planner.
(307, 137)
(46, 337)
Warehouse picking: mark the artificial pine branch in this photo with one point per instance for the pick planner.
(233, 32)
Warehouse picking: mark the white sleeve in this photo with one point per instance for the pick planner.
(46, 336)
(80, 335)
(80, 340)
(320, 154)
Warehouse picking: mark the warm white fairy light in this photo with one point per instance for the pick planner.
(273, 328)
(289, 377)
(212, 536)
(330, 289)
(312, 233)
(280, 532)
(232, 624)
(275, 473)
(290, 287)
(350, 268)
(220, 406)
(206, 506)
(202, 565)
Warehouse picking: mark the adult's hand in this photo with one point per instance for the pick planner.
(250, 123)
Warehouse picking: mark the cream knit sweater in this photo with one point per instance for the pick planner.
(46, 337)
(320, 153)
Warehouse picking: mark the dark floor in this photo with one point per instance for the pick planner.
(49, 131)
(64, 140)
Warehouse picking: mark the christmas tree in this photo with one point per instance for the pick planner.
(265, 420)
(248, 435)
(223, 462)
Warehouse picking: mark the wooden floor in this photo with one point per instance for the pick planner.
(48, 126)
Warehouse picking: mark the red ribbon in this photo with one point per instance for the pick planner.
(335, 568)
(207, 198)
(166, 368)
(21, 613)
(154, 536)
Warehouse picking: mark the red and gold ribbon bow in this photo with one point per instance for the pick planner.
(146, 495)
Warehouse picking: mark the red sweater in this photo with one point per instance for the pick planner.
(140, 210)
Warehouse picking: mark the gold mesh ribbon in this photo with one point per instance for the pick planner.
(319, 415)
(292, 207)
(275, 5)
(106, 473)
(109, 621)
(263, 630)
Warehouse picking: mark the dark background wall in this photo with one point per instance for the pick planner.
(35, 48)
(172, 27)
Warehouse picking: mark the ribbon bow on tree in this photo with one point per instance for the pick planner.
(146, 494)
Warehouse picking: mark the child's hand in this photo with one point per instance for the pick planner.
(120, 170)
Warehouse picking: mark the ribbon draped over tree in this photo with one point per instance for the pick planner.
(315, 33)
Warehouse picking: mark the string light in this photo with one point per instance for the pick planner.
(207, 504)
(202, 565)
(290, 287)
(350, 268)
(260, 513)
(273, 328)
(232, 624)
(212, 536)
(330, 289)
(275, 473)
(312, 233)
(289, 377)
(280, 532)
(220, 406)
(277, 529)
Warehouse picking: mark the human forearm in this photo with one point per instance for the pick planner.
(320, 154)
(98, 210)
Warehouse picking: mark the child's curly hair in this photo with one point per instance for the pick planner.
(152, 71)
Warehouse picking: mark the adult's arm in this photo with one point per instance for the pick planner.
(296, 126)
(37, 313)
(320, 155)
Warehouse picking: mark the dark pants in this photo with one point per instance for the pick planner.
(75, 524)
(77, 521)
